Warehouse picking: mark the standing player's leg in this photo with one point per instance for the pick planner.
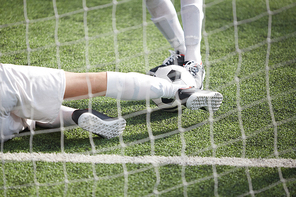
(165, 18)
(192, 16)
(184, 42)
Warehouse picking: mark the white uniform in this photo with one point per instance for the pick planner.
(28, 93)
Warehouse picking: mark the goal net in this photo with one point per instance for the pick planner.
(247, 148)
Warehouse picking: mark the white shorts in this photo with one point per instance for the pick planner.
(28, 93)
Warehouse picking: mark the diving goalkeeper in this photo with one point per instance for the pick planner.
(32, 96)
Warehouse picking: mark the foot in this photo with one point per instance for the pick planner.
(195, 99)
(99, 123)
(176, 58)
(197, 71)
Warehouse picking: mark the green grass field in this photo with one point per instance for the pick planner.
(259, 101)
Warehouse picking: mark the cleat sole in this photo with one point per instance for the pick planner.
(208, 100)
(106, 128)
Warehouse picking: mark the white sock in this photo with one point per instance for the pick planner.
(192, 16)
(136, 86)
(67, 119)
(166, 20)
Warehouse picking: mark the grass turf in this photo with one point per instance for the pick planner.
(124, 52)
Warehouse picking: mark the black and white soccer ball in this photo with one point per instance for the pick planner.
(177, 75)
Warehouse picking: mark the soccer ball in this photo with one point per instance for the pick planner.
(177, 75)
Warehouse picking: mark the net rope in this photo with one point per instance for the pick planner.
(98, 155)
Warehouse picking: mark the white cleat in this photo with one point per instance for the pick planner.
(197, 71)
(99, 123)
(176, 58)
(195, 99)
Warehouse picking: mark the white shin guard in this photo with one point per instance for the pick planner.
(165, 18)
(136, 86)
(171, 31)
(192, 16)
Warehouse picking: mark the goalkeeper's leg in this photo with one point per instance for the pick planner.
(123, 86)
(136, 86)
(90, 120)
(44, 89)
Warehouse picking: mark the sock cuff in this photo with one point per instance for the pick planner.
(77, 113)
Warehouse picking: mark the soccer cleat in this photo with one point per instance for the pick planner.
(99, 123)
(197, 71)
(195, 99)
(176, 58)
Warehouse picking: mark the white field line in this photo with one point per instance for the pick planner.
(155, 160)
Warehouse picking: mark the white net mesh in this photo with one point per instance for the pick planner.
(247, 148)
